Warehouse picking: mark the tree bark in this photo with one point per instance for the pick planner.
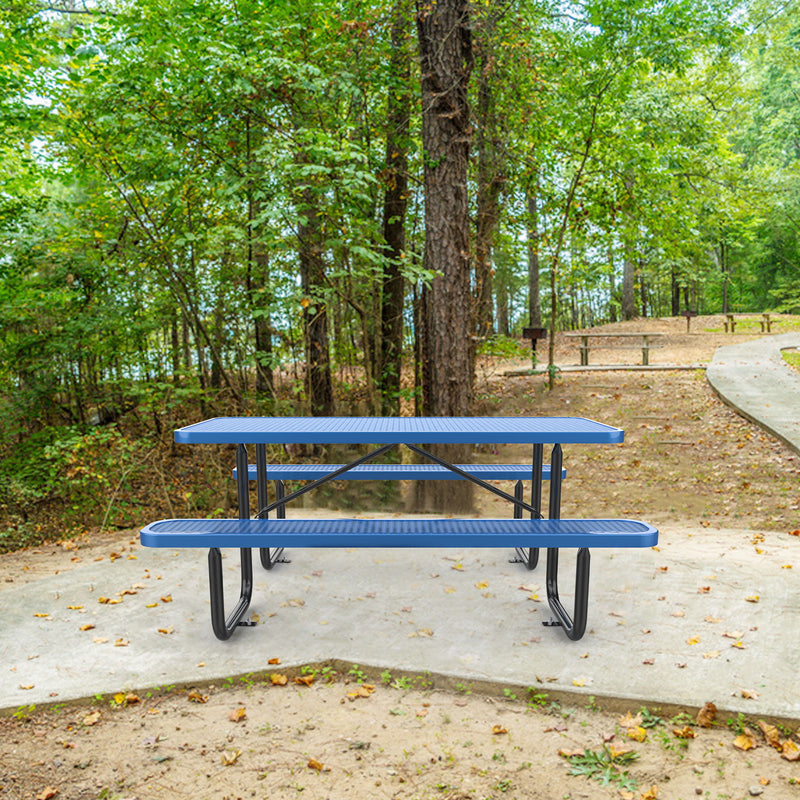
(398, 120)
(319, 386)
(445, 60)
(489, 184)
(628, 310)
(532, 235)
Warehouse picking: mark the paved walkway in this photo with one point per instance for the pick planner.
(754, 379)
(701, 618)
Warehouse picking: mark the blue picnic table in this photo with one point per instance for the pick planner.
(526, 535)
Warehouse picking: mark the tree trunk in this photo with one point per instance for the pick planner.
(445, 62)
(489, 184)
(642, 289)
(612, 288)
(394, 210)
(319, 386)
(675, 294)
(722, 257)
(628, 247)
(532, 203)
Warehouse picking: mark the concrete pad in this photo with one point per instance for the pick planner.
(672, 625)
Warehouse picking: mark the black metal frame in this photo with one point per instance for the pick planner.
(223, 627)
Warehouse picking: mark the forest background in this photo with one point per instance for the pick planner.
(245, 206)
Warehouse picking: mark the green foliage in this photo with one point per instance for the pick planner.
(604, 766)
(503, 347)
(164, 167)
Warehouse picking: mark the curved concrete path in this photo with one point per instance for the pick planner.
(754, 379)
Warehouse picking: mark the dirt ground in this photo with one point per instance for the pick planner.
(341, 732)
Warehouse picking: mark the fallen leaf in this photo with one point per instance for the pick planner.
(195, 697)
(364, 690)
(41, 615)
(100, 639)
(305, 680)
(790, 751)
(104, 600)
(238, 714)
(482, 585)
(278, 680)
(749, 694)
(230, 757)
(274, 661)
(693, 640)
(733, 634)
(578, 682)
(650, 794)
(570, 753)
(678, 613)
(423, 712)
(707, 715)
(27, 686)
(744, 742)
(317, 765)
(87, 627)
(497, 730)
(121, 643)
(47, 793)
(712, 619)
(457, 566)
(704, 590)
(616, 752)
(771, 734)
(92, 719)
(559, 727)
(74, 608)
(753, 598)
(638, 734)
(629, 721)
(684, 733)
(167, 598)
(168, 630)
(711, 654)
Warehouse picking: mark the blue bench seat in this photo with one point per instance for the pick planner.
(399, 532)
(399, 472)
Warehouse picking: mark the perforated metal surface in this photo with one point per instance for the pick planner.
(385, 430)
(399, 532)
(399, 472)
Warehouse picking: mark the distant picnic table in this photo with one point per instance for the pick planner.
(643, 337)
(732, 319)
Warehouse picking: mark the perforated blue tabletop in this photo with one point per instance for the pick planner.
(398, 430)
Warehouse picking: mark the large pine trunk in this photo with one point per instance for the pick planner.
(447, 375)
(394, 211)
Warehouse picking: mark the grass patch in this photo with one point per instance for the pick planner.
(792, 358)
